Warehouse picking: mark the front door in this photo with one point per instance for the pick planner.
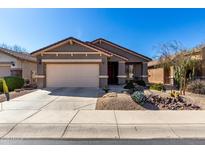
(112, 72)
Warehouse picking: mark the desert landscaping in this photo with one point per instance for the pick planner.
(149, 99)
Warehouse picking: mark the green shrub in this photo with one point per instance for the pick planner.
(139, 97)
(12, 83)
(197, 87)
(129, 84)
(158, 86)
(106, 89)
(140, 83)
(139, 88)
(1, 87)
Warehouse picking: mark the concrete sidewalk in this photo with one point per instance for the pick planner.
(93, 124)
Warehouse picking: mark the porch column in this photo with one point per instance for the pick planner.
(41, 70)
(144, 72)
(103, 74)
(121, 72)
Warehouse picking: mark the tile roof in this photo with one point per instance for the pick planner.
(153, 63)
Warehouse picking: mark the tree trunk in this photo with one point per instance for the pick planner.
(185, 84)
(180, 88)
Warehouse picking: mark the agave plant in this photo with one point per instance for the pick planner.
(139, 97)
(106, 89)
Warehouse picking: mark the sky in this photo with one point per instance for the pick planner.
(140, 30)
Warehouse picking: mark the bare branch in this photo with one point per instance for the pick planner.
(15, 47)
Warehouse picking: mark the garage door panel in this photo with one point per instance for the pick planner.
(72, 75)
(5, 71)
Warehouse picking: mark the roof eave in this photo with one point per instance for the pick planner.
(20, 58)
(122, 48)
(37, 52)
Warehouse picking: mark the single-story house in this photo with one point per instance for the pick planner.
(14, 63)
(74, 63)
(158, 74)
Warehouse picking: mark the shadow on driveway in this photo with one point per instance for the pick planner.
(74, 92)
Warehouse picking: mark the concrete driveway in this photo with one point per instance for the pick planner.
(55, 99)
(67, 113)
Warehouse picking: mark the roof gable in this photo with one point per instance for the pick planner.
(70, 45)
(100, 40)
(112, 54)
(74, 47)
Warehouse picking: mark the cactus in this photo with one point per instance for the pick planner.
(174, 94)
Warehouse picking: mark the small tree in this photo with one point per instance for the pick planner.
(15, 47)
(182, 60)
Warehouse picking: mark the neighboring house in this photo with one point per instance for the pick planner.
(158, 74)
(14, 63)
(74, 63)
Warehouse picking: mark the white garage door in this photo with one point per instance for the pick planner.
(72, 75)
(5, 71)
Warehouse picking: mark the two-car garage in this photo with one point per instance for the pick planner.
(72, 75)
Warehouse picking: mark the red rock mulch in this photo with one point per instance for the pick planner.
(156, 101)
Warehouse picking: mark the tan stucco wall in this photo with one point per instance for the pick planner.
(7, 58)
(27, 68)
(156, 75)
